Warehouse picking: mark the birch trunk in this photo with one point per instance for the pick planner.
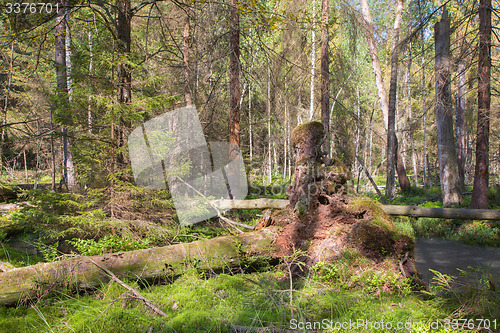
(410, 119)
(384, 105)
(460, 122)
(69, 168)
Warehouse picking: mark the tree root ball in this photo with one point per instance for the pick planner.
(323, 220)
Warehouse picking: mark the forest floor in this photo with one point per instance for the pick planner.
(350, 289)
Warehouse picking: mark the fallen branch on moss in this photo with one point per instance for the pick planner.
(136, 294)
(23, 284)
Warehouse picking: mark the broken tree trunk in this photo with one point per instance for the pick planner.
(306, 140)
(23, 284)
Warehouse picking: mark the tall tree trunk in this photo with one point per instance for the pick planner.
(69, 168)
(325, 77)
(91, 73)
(393, 160)
(123, 73)
(5, 105)
(62, 88)
(234, 78)
(285, 143)
(357, 169)
(451, 189)
(410, 119)
(313, 60)
(269, 179)
(372, 48)
(384, 105)
(185, 51)
(250, 133)
(424, 112)
(481, 175)
(460, 122)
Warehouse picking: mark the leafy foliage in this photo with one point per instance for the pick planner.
(107, 244)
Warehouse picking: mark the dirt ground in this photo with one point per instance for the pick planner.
(332, 225)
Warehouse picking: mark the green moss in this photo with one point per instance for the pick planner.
(377, 214)
(312, 130)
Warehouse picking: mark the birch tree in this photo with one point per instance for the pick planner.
(388, 109)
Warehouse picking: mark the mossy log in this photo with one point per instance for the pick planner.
(22, 284)
(262, 203)
(416, 211)
(445, 213)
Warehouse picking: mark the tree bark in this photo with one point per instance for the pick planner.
(446, 213)
(185, 53)
(61, 61)
(234, 77)
(313, 60)
(410, 118)
(460, 122)
(306, 141)
(451, 189)
(269, 167)
(372, 47)
(384, 105)
(394, 160)
(262, 203)
(91, 73)
(28, 283)
(424, 113)
(481, 174)
(124, 75)
(325, 77)
(69, 167)
(5, 105)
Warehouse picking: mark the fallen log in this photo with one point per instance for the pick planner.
(22, 284)
(447, 213)
(262, 203)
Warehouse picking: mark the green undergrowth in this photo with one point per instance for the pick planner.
(56, 223)
(349, 289)
(485, 233)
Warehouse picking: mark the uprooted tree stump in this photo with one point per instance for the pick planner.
(323, 219)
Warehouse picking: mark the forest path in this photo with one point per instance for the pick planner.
(446, 256)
